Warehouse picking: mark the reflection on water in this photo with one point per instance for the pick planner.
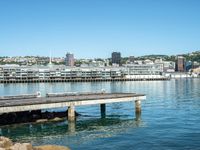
(84, 130)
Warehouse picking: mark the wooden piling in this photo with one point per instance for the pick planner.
(103, 110)
(71, 113)
(138, 107)
(71, 127)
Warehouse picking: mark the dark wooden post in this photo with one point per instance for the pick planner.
(103, 110)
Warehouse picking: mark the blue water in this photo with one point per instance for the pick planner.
(170, 117)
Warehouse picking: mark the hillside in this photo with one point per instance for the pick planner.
(194, 56)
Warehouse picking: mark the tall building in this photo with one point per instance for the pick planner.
(69, 60)
(195, 65)
(188, 66)
(131, 59)
(116, 58)
(180, 64)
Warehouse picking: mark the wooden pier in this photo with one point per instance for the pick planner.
(70, 101)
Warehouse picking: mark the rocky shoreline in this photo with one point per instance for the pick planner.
(7, 144)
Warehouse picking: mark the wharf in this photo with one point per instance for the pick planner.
(80, 80)
(18, 104)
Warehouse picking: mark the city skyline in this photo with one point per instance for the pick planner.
(107, 56)
(87, 28)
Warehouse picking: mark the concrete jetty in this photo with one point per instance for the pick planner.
(70, 100)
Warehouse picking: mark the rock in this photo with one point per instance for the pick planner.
(51, 147)
(47, 115)
(36, 114)
(28, 146)
(23, 146)
(41, 120)
(5, 142)
(57, 119)
(23, 117)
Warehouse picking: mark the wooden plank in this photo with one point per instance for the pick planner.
(46, 100)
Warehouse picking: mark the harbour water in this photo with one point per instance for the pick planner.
(170, 117)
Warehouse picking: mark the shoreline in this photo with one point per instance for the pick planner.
(91, 80)
(82, 80)
(8, 144)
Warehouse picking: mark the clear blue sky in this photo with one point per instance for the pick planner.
(95, 28)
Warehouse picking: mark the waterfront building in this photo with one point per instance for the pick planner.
(1, 73)
(66, 72)
(160, 60)
(196, 71)
(178, 75)
(180, 64)
(145, 69)
(188, 66)
(139, 62)
(69, 61)
(169, 66)
(148, 61)
(105, 73)
(195, 65)
(116, 58)
(106, 62)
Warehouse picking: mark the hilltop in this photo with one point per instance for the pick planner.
(194, 56)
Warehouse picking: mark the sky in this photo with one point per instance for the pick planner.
(96, 28)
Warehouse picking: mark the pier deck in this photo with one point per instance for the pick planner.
(70, 101)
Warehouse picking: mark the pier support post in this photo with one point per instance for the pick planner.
(138, 117)
(71, 113)
(137, 107)
(103, 110)
(71, 127)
